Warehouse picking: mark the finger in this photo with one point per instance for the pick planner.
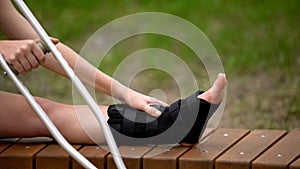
(32, 60)
(158, 102)
(25, 64)
(14, 63)
(152, 111)
(54, 40)
(38, 53)
(18, 67)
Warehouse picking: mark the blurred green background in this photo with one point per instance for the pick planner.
(258, 43)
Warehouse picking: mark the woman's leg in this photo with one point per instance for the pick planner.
(17, 119)
(193, 114)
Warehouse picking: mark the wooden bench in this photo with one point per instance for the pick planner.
(225, 149)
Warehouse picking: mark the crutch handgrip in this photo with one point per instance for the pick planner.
(43, 46)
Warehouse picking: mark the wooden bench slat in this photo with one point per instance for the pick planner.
(5, 143)
(295, 164)
(281, 154)
(54, 157)
(162, 157)
(95, 154)
(4, 146)
(132, 156)
(242, 154)
(20, 156)
(203, 155)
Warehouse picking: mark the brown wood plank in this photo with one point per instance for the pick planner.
(20, 155)
(5, 143)
(163, 157)
(95, 154)
(295, 164)
(207, 133)
(54, 157)
(4, 146)
(281, 154)
(204, 155)
(246, 150)
(132, 156)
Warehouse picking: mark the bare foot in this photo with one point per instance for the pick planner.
(215, 93)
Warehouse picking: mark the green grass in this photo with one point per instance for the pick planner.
(248, 35)
(251, 37)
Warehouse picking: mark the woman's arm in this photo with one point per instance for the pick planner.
(15, 26)
(102, 82)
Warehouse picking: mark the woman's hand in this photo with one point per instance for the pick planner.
(23, 55)
(143, 102)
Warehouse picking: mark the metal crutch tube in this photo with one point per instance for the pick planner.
(43, 116)
(77, 83)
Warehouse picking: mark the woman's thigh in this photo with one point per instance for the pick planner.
(76, 123)
(17, 118)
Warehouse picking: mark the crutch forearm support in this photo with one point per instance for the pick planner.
(77, 83)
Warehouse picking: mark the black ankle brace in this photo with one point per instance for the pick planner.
(183, 122)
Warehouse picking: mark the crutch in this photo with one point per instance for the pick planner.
(79, 86)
